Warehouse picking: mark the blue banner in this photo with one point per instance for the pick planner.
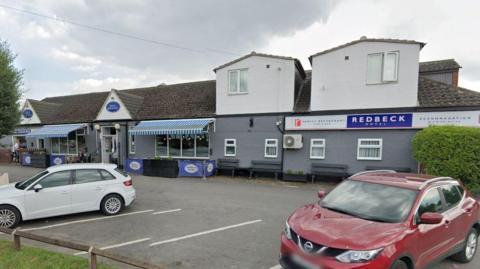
(26, 159)
(196, 168)
(134, 166)
(403, 120)
(57, 160)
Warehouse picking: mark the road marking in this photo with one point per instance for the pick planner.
(118, 245)
(86, 220)
(166, 211)
(277, 267)
(205, 232)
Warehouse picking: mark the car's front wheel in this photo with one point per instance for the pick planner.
(112, 204)
(470, 248)
(399, 264)
(9, 216)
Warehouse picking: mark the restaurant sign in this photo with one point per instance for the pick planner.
(27, 113)
(113, 106)
(413, 120)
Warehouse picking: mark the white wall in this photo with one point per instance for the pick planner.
(269, 89)
(122, 113)
(34, 119)
(341, 84)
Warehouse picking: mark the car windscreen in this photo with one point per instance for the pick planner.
(24, 184)
(371, 201)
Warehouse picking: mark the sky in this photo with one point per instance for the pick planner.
(149, 42)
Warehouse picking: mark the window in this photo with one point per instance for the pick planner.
(106, 175)
(41, 143)
(431, 202)
(317, 148)
(188, 146)
(271, 148)
(87, 176)
(230, 147)
(369, 149)
(382, 67)
(67, 145)
(56, 179)
(131, 144)
(452, 196)
(237, 81)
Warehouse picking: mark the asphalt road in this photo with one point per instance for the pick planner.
(220, 223)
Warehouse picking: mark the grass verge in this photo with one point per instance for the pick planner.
(36, 258)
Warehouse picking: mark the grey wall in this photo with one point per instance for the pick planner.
(6, 142)
(341, 148)
(144, 147)
(250, 140)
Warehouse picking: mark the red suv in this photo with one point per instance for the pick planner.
(383, 220)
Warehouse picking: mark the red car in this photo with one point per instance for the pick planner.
(383, 220)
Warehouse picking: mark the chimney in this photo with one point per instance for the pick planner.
(455, 77)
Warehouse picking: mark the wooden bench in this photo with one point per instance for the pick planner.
(274, 167)
(398, 169)
(327, 169)
(228, 164)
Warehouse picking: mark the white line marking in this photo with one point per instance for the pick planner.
(118, 245)
(86, 220)
(205, 232)
(277, 267)
(166, 211)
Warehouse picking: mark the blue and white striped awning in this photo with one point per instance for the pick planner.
(55, 130)
(172, 127)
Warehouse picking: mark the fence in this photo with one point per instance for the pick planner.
(92, 251)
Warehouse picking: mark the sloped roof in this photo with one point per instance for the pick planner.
(432, 93)
(302, 100)
(133, 102)
(253, 53)
(364, 39)
(439, 66)
(44, 110)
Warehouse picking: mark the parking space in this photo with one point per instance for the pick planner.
(192, 223)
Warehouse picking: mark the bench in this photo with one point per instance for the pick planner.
(274, 167)
(327, 169)
(397, 169)
(228, 164)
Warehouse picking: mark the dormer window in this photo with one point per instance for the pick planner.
(382, 67)
(237, 81)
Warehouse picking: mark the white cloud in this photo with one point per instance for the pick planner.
(34, 31)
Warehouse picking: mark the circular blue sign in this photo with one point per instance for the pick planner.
(113, 106)
(27, 113)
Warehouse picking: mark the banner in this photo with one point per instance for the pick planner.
(26, 159)
(134, 166)
(196, 168)
(57, 160)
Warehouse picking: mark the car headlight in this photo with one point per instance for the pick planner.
(288, 231)
(352, 256)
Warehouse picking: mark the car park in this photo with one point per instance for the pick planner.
(66, 189)
(383, 219)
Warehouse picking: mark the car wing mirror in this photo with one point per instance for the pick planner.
(321, 194)
(431, 218)
(37, 188)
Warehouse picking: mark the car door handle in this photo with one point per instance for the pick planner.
(447, 222)
(65, 192)
(469, 210)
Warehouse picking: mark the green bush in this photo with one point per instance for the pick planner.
(450, 151)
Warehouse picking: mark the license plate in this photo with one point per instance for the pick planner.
(302, 262)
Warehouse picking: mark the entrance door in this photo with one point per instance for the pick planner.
(109, 146)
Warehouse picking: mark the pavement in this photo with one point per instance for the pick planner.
(218, 223)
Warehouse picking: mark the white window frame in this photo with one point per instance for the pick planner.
(359, 146)
(383, 80)
(234, 145)
(269, 146)
(181, 148)
(230, 73)
(68, 149)
(312, 146)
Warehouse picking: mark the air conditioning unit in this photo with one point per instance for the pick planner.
(292, 141)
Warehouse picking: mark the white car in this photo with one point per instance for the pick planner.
(66, 189)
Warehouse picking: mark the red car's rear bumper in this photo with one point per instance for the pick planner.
(289, 249)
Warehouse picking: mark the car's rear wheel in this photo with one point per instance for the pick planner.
(9, 216)
(399, 264)
(112, 204)
(470, 248)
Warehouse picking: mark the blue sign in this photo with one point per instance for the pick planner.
(26, 159)
(134, 166)
(21, 131)
(27, 113)
(403, 120)
(196, 168)
(113, 106)
(57, 160)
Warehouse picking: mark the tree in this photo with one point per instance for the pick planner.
(10, 83)
(450, 151)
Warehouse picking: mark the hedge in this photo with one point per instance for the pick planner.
(450, 151)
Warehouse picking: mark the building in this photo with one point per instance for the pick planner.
(360, 106)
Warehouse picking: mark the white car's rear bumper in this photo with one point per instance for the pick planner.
(130, 197)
